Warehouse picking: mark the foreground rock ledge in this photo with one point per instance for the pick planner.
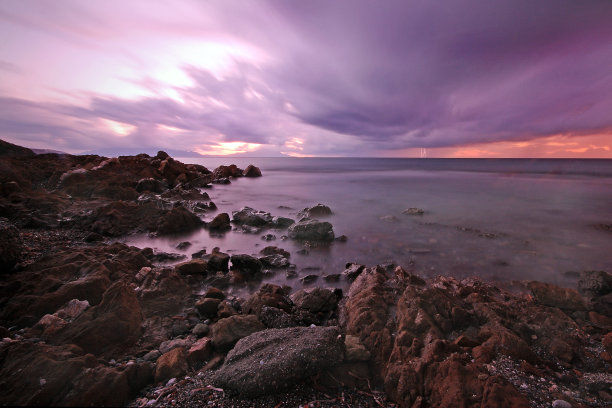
(272, 360)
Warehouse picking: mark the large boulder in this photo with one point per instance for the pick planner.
(226, 332)
(274, 360)
(317, 300)
(312, 230)
(193, 267)
(251, 171)
(178, 219)
(11, 247)
(268, 295)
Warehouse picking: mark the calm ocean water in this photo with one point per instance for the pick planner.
(500, 219)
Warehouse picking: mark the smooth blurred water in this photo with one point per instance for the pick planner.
(501, 220)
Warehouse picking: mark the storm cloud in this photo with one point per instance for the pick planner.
(316, 78)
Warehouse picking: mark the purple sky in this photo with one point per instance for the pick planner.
(479, 78)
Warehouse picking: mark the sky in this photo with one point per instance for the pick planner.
(461, 78)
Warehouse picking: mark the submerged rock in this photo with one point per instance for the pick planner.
(413, 211)
(275, 359)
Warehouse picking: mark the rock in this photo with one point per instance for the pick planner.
(268, 237)
(607, 342)
(246, 267)
(183, 245)
(275, 261)
(215, 293)
(550, 295)
(169, 345)
(171, 365)
(11, 248)
(318, 210)
(282, 222)
(275, 318)
(352, 271)
(94, 237)
(335, 277)
(200, 254)
(218, 261)
(226, 332)
(152, 355)
(220, 223)
(161, 155)
(193, 267)
(561, 404)
(595, 283)
(355, 351)
(177, 220)
(113, 324)
(250, 217)
(413, 211)
(225, 309)
(207, 307)
(223, 172)
(273, 250)
(268, 295)
(200, 329)
(308, 279)
(72, 309)
(200, 351)
(317, 300)
(251, 171)
(222, 180)
(149, 184)
(276, 359)
(312, 230)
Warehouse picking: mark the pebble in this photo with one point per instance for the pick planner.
(561, 404)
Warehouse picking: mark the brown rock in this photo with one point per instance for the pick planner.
(200, 351)
(268, 295)
(220, 223)
(251, 171)
(215, 293)
(113, 324)
(171, 365)
(193, 267)
(226, 332)
(554, 296)
(607, 342)
(207, 307)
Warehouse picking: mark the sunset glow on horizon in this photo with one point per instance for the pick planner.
(274, 78)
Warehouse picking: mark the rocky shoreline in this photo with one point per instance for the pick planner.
(85, 320)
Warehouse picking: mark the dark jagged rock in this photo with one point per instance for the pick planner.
(193, 267)
(268, 295)
(248, 216)
(275, 359)
(246, 267)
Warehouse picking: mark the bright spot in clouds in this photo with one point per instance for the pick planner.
(228, 148)
(118, 128)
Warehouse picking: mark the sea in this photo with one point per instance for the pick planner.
(502, 220)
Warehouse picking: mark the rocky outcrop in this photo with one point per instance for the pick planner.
(220, 223)
(275, 359)
(444, 334)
